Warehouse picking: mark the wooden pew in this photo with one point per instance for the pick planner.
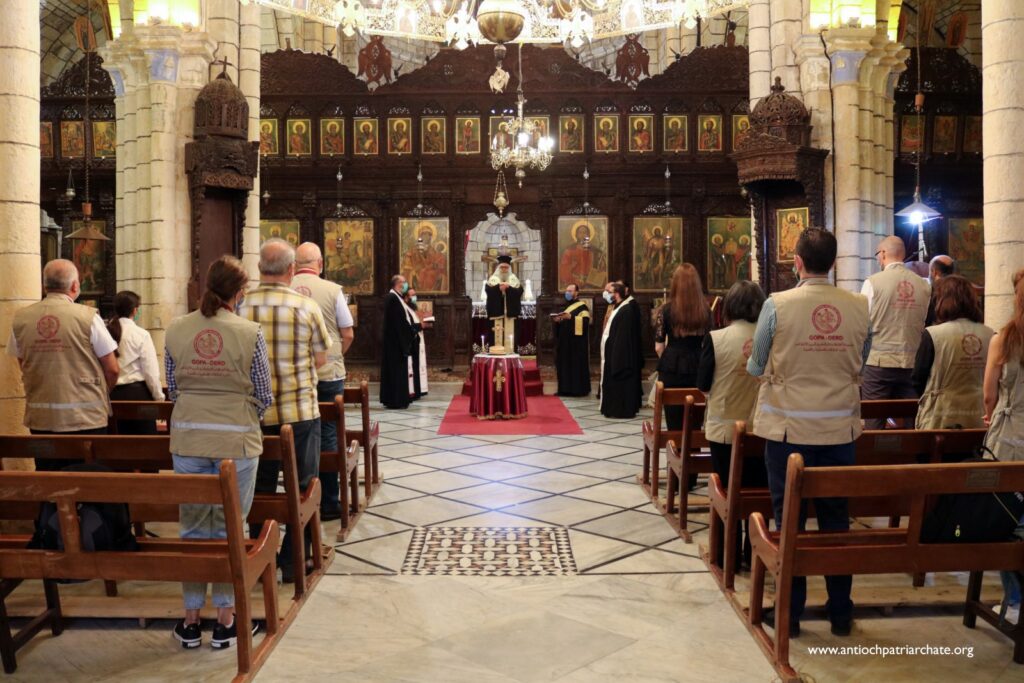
(656, 438)
(152, 454)
(874, 551)
(234, 560)
(682, 462)
(345, 462)
(367, 435)
(895, 408)
(139, 410)
(884, 447)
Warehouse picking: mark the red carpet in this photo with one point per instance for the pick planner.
(546, 415)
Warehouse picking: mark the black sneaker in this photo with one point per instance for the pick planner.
(188, 635)
(226, 636)
(842, 627)
(330, 514)
(768, 619)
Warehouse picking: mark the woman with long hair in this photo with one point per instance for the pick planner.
(218, 376)
(731, 390)
(1004, 383)
(140, 371)
(684, 321)
(950, 365)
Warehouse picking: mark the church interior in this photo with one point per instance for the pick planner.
(580, 143)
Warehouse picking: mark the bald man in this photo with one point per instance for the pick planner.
(67, 360)
(938, 268)
(309, 264)
(897, 304)
(297, 343)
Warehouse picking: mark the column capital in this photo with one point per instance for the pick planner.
(159, 54)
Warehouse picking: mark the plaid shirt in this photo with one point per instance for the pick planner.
(295, 330)
(259, 375)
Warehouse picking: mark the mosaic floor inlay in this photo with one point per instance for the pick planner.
(490, 551)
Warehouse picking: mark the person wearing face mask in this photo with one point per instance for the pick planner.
(397, 342)
(572, 345)
(418, 356)
(140, 371)
(622, 356)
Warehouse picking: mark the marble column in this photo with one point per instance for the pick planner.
(20, 281)
(1002, 25)
(249, 83)
(759, 46)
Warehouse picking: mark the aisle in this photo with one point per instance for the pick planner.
(612, 594)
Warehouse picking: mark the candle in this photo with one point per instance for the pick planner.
(483, 349)
(512, 343)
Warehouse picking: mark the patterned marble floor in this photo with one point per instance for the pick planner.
(605, 591)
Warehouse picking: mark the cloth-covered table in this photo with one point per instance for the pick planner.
(499, 390)
(526, 328)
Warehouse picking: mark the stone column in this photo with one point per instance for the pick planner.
(158, 70)
(759, 46)
(20, 281)
(786, 27)
(249, 84)
(1002, 25)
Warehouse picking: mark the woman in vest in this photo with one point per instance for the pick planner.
(1004, 383)
(950, 364)
(219, 379)
(731, 391)
(136, 357)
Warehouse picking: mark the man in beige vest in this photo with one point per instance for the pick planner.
(309, 264)
(809, 349)
(67, 360)
(898, 304)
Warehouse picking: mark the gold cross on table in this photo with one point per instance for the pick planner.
(499, 380)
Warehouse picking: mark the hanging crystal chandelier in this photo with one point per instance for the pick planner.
(530, 148)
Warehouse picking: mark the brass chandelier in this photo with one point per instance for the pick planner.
(530, 146)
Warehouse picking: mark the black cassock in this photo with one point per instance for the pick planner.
(621, 391)
(507, 306)
(396, 340)
(572, 346)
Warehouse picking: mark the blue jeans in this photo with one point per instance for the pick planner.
(329, 481)
(307, 459)
(832, 516)
(207, 521)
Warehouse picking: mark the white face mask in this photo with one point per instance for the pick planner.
(609, 298)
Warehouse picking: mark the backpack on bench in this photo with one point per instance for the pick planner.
(103, 526)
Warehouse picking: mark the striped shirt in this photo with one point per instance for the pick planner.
(259, 374)
(764, 335)
(295, 331)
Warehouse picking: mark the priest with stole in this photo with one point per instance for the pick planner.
(504, 294)
(572, 345)
(622, 356)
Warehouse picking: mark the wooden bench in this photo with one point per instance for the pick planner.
(729, 507)
(367, 435)
(345, 462)
(874, 551)
(152, 454)
(235, 560)
(656, 438)
(894, 408)
(691, 458)
(139, 410)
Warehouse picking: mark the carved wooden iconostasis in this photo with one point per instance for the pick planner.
(948, 138)
(67, 144)
(317, 119)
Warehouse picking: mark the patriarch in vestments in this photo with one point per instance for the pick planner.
(572, 345)
(397, 343)
(622, 356)
(504, 296)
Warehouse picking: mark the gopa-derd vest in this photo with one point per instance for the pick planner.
(325, 294)
(64, 382)
(810, 391)
(214, 413)
(733, 389)
(1005, 437)
(953, 393)
(899, 307)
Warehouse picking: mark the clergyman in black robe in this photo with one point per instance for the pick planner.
(396, 340)
(572, 346)
(504, 297)
(622, 358)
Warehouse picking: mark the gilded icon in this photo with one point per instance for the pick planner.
(641, 133)
(789, 225)
(674, 131)
(72, 139)
(740, 129)
(709, 137)
(104, 139)
(268, 137)
(299, 137)
(348, 254)
(399, 136)
(583, 251)
(657, 250)
(467, 135)
(729, 243)
(365, 133)
(433, 135)
(424, 249)
(606, 133)
(332, 137)
(570, 133)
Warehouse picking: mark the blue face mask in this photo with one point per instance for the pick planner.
(412, 299)
(568, 296)
(609, 298)
(238, 306)
(405, 287)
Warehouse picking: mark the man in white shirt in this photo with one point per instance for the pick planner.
(309, 264)
(67, 360)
